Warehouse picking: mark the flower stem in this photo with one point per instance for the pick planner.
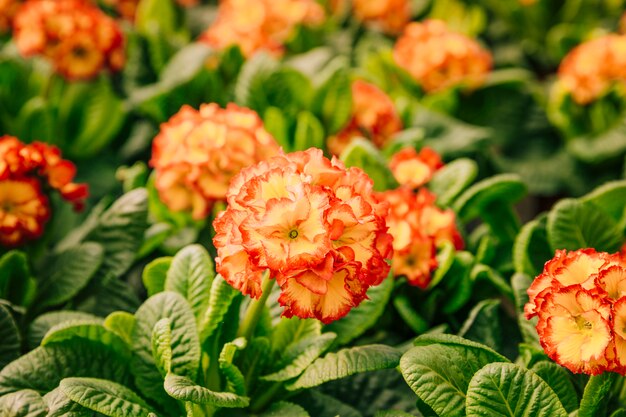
(253, 314)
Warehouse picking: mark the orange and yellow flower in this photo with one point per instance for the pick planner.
(374, 117)
(592, 68)
(313, 225)
(198, 152)
(389, 16)
(438, 58)
(76, 36)
(413, 169)
(580, 302)
(26, 171)
(8, 9)
(418, 227)
(256, 25)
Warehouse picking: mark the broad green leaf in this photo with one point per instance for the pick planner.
(291, 330)
(277, 125)
(121, 323)
(184, 389)
(185, 345)
(256, 358)
(59, 405)
(363, 154)
(392, 413)
(309, 132)
(43, 368)
(457, 282)
(252, 80)
(162, 345)
(298, 356)
(87, 329)
(450, 181)
(440, 367)
(483, 324)
(36, 121)
(24, 403)
(154, 274)
(360, 319)
(506, 389)
(333, 101)
(71, 272)
(105, 397)
(412, 318)
(191, 275)
(290, 91)
(220, 299)
(559, 380)
(574, 225)
(319, 404)
(234, 378)
(108, 295)
(185, 64)
(346, 362)
(445, 258)
(16, 283)
(597, 395)
(10, 340)
(619, 413)
(607, 145)
(610, 197)
(284, 409)
(531, 248)
(40, 326)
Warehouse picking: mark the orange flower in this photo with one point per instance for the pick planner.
(414, 169)
(24, 171)
(8, 9)
(390, 16)
(198, 152)
(580, 300)
(438, 58)
(374, 117)
(313, 224)
(592, 68)
(418, 226)
(256, 25)
(77, 37)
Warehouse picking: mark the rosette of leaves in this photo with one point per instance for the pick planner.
(180, 354)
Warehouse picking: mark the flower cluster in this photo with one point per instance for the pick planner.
(313, 225)
(590, 69)
(77, 37)
(374, 116)
(256, 25)
(198, 152)
(8, 9)
(418, 227)
(389, 16)
(413, 169)
(25, 173)
(580, 302)
(439, 58)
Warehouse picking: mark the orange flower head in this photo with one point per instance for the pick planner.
(256, 25)
(592, 68)
(8, 9)
(438, 58)
(26, 171)
(198, 152)
(76, 36)
(418, 227)
(374, 117)
(413, 169)
(313, 225)
(389, 16)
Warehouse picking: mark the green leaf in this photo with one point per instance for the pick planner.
(363, 154)
(440, 368)
(220, 299)
(156, 13)
(360, 319)
(43, 368)
(450, 181)
(574, 225)
(285, 409)
(184, 389)
(318, 404)
(10, 340)
(121, 323)
(559, 380)
(24, 403)
(108, 295)
(234, 378)
(309, 132)
(276, 124)
(191, 275)
(40, 326)
(346, 362)
(87, 329)
(59, 405)
(252, 80)
(332, 102)
(36, 121)
(16, 283)
(597, 395)
(154, 275)
(392, 413)
(483, 324)
(607, 145)
(291, 330)
(105, 397)
(610, 197)
(185, 64)
(185, 345)
(506, 389)
(162, 345)
(531, 248)
(298, 356)
(71, 272)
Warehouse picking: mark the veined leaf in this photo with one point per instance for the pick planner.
(184, 389)
(234, 378)
(23, 403)
(309, 132)
(346, 362)
(162, 345)
(121, 323)
(506, 389)
(450, 181)
(59, 405)
(105, 397)
(40, 326)
(291, 330)
(154, 275)
(333, 100)
(558, 379)
(191, 275)
(318, 404)
(597, 394)
(16, 283)
(220, 299)
(531, 248)
(252, 78)
(610, 197)
(483, 324)
(285, 409)
(10, 343)
(87, 329)
(43, 368)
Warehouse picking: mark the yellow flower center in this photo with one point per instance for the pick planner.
(582, 323)
(293, 234)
